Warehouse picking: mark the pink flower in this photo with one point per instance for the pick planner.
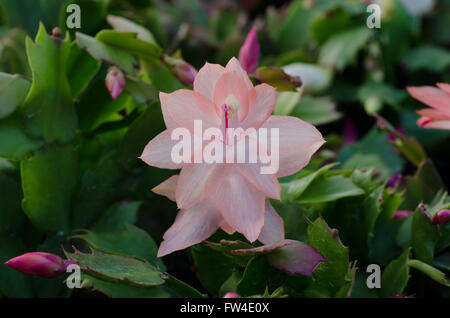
(230, 196)
(39, 264)
(400, 214)
(115, 82)
(249, 53)
(438, 116)
(441, 217)
(231, 295)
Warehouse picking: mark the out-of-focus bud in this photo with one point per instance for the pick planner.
(39, 264)
(441, 217)
(349, 132)
(400, 214)
(182, 70)
(232, 295)
(115, 82)
(394, 180)
(249, 53)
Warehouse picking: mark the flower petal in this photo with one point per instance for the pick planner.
(431, 96)
(296, 258)
(231, 83)
(195, 183)
(298, 141)
(168, 120)
(267, 183)
(191, 227)
(273, 229)
(185, 106)
(167, 188)
(433, 113)
(261, 105)
(206, 79)
(227, 228)
(437, 124)
(158, 152)
(241, 205)
(235, 65)
(445, 87)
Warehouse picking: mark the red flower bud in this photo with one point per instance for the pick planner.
(231, 295)
(249, 53)
(441, 217)
(400, 214)
(39, 264)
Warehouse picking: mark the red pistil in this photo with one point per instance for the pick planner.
(226, 110)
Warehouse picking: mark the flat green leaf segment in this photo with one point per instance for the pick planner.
(118, 267)
(48, 106)
(48, 182)
(278, 78)
(13, 90)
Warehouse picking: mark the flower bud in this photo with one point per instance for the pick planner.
(182, 70)
(115, 82)
(39, 264)
(231, 295)
(394, 180)
(249, 53)
(400, 214)
(441, 217)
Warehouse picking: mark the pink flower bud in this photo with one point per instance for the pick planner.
(231, 295)
(394, 180)
(39, 264)
(400, 214)
(441, 217)
(350, 133)
(249, 53)
(115, 82)
(182, 70)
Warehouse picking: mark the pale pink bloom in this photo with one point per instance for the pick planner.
(115, 82)
(249, 52)
(438, 116)
(39, 264)
(227, 196)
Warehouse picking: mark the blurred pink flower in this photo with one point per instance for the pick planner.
(231, 196)
(115, 82)
(438, 116)
(249, 53)
(231, 295)
(400, 214)
(39, 264)
(349, 133)
(441, 217)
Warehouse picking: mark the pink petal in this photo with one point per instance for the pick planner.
(267, 183)
(167, 188)
(191, 227)
(434, 114)
(206, 79)
(227, 228)
(438, 124)
(299, 140)
(168, 120)
(234, 65)
(184, 106)
(241, 205)
(273, 229)
(296, 258)
(196, 182)
(158, 152)
(431, 96)
(262, 103)
(231, 83)
(444, 86)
